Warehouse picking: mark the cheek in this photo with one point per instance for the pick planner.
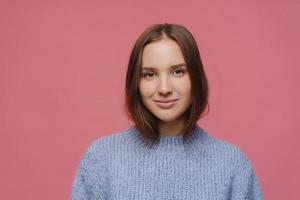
(184, 87)
(146, 89)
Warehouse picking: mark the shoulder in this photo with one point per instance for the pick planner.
(91, 175)
(100, 147)
(223, 151)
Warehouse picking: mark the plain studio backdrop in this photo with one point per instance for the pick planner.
(62, 79)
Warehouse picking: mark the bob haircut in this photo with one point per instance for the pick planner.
(145, 122)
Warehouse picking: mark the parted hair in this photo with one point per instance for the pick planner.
(145, 122)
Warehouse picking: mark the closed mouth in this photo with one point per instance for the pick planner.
(166, 101)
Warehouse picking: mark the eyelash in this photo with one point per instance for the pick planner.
(145, 74)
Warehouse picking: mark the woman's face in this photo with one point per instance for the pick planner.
(165, 84)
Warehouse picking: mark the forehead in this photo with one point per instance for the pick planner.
(162, 53)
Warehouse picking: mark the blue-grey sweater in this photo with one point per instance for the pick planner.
(120, 166)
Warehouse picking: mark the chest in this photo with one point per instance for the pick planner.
(168, 177)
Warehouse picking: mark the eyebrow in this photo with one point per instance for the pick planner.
(172, 66)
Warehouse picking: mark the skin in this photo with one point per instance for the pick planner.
(164, 77)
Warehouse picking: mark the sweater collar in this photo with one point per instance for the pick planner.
(170, 144)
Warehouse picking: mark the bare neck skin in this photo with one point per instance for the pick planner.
(172, 128)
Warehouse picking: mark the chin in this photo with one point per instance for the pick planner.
(167, 119)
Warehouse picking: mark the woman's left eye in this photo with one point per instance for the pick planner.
(179, 72)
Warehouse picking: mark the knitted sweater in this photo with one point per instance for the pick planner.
(121, 167)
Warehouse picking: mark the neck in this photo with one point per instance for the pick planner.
(172, 128)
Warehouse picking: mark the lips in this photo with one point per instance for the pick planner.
(165, 101)
(166, 104)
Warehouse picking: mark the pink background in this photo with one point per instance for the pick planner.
(62, 73)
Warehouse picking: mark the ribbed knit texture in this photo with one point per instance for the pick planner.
(120, 166)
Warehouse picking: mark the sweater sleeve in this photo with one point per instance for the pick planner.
(244, 182)
(89, 180)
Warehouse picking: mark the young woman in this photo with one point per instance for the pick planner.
(165, 155)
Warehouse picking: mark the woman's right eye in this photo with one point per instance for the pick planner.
(148, 75)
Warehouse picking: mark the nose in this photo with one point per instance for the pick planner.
(165, 86)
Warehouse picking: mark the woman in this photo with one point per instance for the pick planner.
(165, 155)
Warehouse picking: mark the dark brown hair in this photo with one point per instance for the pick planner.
(144, 120)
